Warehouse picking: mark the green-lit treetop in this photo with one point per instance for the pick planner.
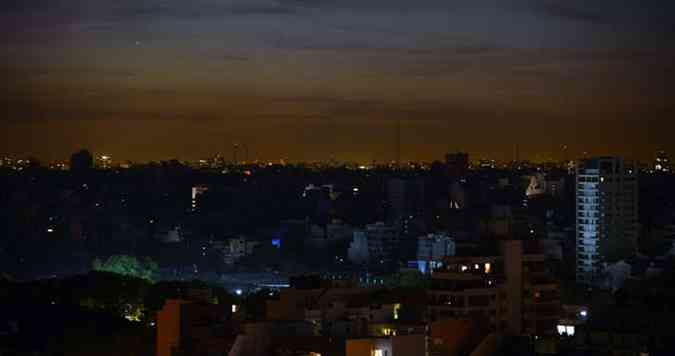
(128, 266)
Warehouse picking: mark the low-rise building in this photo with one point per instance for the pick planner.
(404, 345)
(187, 328)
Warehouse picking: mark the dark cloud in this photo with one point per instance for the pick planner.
(572, 11)
(516, 67)
(235, 58)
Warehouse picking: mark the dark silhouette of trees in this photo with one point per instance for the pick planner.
(34, 163)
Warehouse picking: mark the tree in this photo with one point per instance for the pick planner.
(34, 163)
(128, 266)
(407, 279)
(81, 161)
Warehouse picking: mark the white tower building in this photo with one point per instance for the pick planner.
(606, 213)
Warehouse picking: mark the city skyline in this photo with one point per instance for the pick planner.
(503, 157)
(475, 161)
(310, 80)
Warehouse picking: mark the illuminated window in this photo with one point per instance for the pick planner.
(464, 268)
(235, 308)
(378, 353)
(568, 330)
(397, 308)
(488, 268)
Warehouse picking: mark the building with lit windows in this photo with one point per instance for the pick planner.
(104, 162)
(662, 163)
(195, 193)
(431, 250)
(606, 213)
(405, 345)
(514, 293)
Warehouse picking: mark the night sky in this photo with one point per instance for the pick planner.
(320, 79)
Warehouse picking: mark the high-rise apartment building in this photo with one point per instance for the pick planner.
(406, 198)
(378, 243)
(515, 292)
(606, 213)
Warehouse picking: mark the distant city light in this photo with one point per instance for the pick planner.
(239, 292)
(583, 313)
(132, 317)
(50, 230)
(568, 330)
